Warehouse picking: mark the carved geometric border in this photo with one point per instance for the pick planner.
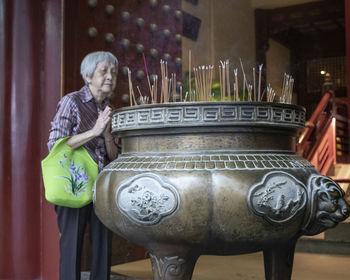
(159, 115)
(209, 162)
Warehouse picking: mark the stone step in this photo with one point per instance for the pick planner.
(321, 246)
(341, 233)
(341, 171)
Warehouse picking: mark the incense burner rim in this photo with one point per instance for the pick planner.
(203, 103)
(189, 115)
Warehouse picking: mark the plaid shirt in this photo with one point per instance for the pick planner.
(76, 113)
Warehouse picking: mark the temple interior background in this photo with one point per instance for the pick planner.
(43, 42)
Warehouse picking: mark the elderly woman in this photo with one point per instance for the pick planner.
(85, 115)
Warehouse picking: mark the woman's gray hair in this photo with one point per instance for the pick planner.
(90, 61)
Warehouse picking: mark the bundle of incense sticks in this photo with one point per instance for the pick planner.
(143, 99)
(270, 94)
(164, 86)
(250, 89)
(168, 86)
(203, 79)
(154, 89)
(287, 89)
(131, 90)
(224, 74)
(247, 88)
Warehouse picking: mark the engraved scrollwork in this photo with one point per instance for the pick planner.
(326, 205)
(146, 199)
(168, 266)
(279, 197)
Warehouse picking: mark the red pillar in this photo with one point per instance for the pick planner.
(20, 181)
(51, 93)
(6, 258)
(28, 55)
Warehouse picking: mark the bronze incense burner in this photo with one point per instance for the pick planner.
(217, 178)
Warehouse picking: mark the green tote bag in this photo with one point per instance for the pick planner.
(68, 175)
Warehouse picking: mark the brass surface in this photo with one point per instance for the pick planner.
(226, 183)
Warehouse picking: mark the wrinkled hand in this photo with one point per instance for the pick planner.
(107, 135)
(103, 122)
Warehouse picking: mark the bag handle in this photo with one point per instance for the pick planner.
(55, 149)
(61, 144)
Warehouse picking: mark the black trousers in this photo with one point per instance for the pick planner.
(72, 223)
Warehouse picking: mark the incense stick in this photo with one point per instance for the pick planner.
(195, 72)
(189, 72)
(156, 89)
(259, 86)
(174, 87)
(254, 83)
(180, 93)
(186, 96)
(228, 80)
(211, 80)
(236, 83)
(221, 92)
(223, 67)
(291, 91)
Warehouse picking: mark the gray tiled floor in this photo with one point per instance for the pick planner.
(249, 267)
(85, 276)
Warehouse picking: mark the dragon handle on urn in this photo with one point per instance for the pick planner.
(327, 206)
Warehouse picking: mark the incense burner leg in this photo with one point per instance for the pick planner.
(278, 261)
(173, 267)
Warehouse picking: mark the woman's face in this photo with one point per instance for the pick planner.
(103, 81)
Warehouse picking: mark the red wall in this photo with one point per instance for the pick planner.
(347, 34)
(29, 91)
(79, 17)
(347, 38)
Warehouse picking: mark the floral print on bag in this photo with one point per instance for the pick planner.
(76, 176)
